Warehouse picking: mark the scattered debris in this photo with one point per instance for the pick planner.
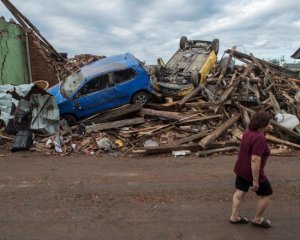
(208, 122)
(27, 107)
(181, 153)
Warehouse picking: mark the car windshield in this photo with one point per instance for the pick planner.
(71, 83)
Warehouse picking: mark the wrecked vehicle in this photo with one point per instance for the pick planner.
(102, 85)
(187, 68)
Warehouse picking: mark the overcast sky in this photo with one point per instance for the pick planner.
(152, 29)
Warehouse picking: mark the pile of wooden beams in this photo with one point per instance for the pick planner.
(208, 121)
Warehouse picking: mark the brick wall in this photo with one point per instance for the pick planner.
(41, 67)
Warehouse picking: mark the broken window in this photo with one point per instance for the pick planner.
(124, 75)
(95, 84)
(71, 83)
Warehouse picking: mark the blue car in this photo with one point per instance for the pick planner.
(102, 85)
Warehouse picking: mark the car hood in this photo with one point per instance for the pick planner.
(55, 91)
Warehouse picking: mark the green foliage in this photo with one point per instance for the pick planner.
(278, 61)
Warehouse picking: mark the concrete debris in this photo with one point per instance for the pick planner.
(104, 144)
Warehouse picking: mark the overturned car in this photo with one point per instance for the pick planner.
(187, 68)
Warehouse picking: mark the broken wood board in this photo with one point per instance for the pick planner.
(191, 138)
(218, 132)
(115, 114)
(189, 96)
(168, 148)
(201, 104)
(217, 150)
(224, 69)
(239, 134)
(115, 124)
(163, 114)
(277, 140)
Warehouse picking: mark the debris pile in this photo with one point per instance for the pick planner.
(24, 109)
(71, 65)
(209, 120)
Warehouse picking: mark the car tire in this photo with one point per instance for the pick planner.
(141, 98)
(215, 45)
(182, 42)
(195, 77)
(71, 120)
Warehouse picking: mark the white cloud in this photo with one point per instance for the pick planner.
(152, 29)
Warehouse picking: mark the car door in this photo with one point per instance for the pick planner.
(125, 84)
(96, 95)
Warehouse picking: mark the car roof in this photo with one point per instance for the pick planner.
(109, 64)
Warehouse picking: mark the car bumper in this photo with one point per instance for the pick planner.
(173, 90)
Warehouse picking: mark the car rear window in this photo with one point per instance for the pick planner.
(124, 75)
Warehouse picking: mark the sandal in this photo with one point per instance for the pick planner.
(264, 224)
(242, 220)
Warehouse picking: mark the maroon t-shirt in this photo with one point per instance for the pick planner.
(253, 143)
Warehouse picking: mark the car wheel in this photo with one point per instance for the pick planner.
(141, 98)
(71, 120)
(195, 78)
(215, 45)
(182, 42)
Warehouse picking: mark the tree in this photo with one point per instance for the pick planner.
(278, 61)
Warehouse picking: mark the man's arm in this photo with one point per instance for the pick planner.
(255, 166)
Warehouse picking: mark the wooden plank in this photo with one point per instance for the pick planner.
(189, 96)
(274, 103)
(217, 150)
(114, 114)
(242, 56)
(160, 107)
(163, 114)
(256, 62)
(230, 89)
(234, 85)
(165, 149)
(231, 52)
(199, 119)
(294, 80)
(201, 104)
(168, 148)
(238, 134)
(277, 140)
(218, 132)
(115, 124)
(191, 138)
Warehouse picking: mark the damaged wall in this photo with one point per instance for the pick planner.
(41, 66)
(12, 63)
(14, 67)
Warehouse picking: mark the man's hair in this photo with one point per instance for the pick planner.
(259, 120)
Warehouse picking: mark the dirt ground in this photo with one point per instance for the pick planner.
(155, 197)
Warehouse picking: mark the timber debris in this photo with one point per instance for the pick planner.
(210, 120)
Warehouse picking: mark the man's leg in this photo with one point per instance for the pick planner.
(237, 199)
(262, 204)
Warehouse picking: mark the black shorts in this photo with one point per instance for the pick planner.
(264, 189)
